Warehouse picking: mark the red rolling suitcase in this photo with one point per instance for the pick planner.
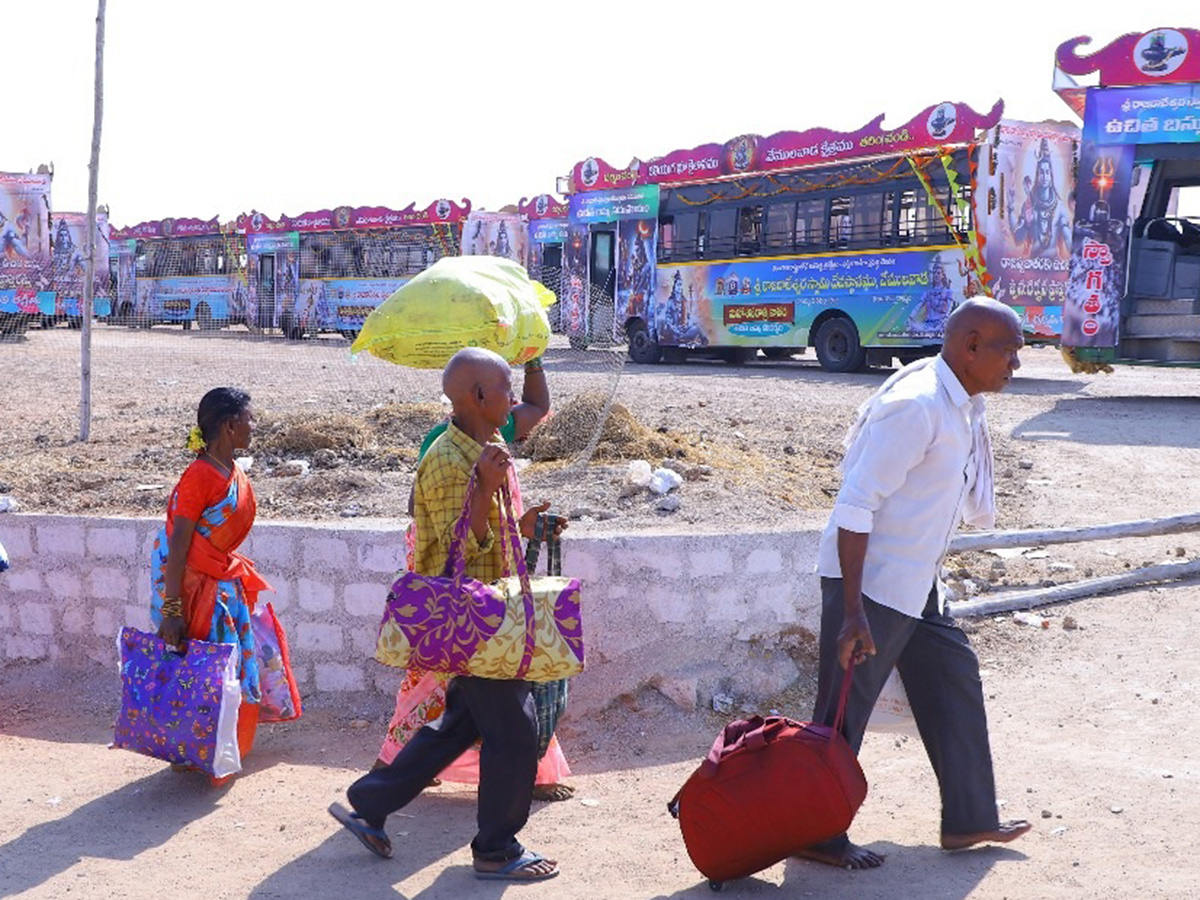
(768, 788)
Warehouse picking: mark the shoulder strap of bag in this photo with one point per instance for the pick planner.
(512, 537)
(843, 697)
(456, 563)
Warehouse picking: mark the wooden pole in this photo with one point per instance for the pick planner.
(1010, 600)
(996, 540)
(85, 363)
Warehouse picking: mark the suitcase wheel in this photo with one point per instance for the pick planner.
(716, 886)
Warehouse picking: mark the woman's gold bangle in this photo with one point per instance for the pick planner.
(172, 608)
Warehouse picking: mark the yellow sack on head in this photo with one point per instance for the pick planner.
(459, 301)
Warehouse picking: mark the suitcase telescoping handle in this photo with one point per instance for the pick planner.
(757, 732)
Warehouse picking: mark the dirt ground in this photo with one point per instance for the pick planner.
(1093, 728)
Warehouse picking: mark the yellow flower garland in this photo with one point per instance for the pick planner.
(195, 441)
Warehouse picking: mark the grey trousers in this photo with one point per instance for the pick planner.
(941, 677)
(500, 712)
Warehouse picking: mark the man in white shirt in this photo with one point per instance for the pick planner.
(918, 462)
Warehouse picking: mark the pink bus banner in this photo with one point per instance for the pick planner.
(944, 123)
(168, 228)
(1161, 56)
(345, 218)
(24, 229)
(543, 206)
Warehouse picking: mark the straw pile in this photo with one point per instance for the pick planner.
(569, 431)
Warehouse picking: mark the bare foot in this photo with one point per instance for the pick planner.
(552, 793)
(841, 853)
(1008, 831)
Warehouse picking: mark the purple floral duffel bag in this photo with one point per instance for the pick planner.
(179, 707)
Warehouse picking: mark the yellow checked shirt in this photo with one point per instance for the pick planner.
(438, 497)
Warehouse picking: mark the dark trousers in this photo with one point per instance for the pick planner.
(500, 712)
(941, 677)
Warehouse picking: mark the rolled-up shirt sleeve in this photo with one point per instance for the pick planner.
(894, 440)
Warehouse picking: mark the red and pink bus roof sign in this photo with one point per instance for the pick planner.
(543, 206)
(943, 123)
(1159, 56)
(345, 218)
(163, 228)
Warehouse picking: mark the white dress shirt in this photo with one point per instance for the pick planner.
(907, 476)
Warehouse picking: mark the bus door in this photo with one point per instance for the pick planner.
(602, 276)
(265, 314)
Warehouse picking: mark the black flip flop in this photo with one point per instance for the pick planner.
(354, 823)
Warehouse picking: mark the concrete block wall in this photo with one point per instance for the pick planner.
(689, 614)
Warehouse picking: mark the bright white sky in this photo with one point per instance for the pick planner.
(217, 107)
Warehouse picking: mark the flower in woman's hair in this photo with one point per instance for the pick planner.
(195, 441)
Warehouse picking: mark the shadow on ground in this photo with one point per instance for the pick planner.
(1128, 421)
(163, 804)
(906, 874)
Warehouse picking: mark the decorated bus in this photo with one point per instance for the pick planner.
(43, 261)
(858, 245)
(179, 272)
(1134, 288)
(325, 271)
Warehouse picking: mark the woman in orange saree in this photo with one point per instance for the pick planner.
(201, 587)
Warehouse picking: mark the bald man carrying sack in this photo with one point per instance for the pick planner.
(501, 712)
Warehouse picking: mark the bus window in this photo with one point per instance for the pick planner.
(841, 222)
(928, 224)
(1184, 201)
(888, 229)
(781, 221)
(962, 211)
(666, 237)
(906, 222)
(867, 228)
(687, 236)
(810, 224)
(749, 230)
(722, 232)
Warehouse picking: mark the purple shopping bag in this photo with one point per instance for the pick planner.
(179, 707)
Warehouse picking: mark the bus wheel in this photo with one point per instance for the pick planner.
(577, 342)
(349, 334)
(204, 319)
(737, 356)
(187, 324)
(778, 353)
(125, 315)
(838, 349)
(643, 348)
